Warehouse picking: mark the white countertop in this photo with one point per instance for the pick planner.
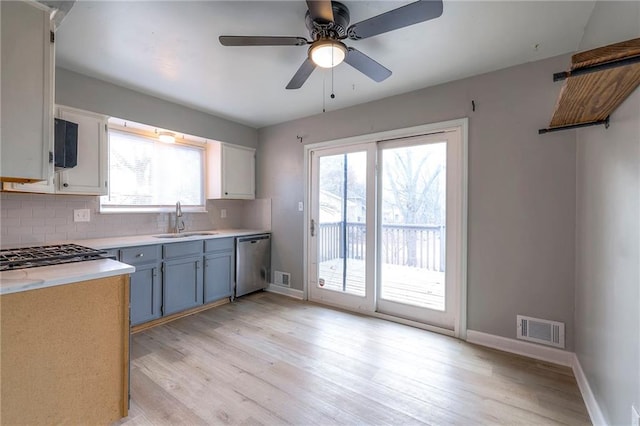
(143, 240)
(48, 276)
(67, 273)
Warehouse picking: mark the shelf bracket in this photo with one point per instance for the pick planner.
(559, 76)
(575, 126)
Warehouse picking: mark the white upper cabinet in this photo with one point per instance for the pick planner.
(27, 92)
(230, 171)
(89, 176)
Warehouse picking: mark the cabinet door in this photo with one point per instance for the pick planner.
(218, 276)
(146, 294)
(89, 176)
(182, 284)
(26, 91)
(238, 172)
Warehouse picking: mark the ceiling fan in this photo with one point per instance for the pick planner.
(328, 24)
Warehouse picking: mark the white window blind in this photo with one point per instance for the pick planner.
(148, 175)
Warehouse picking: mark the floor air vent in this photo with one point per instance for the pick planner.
(282, 278)
(541, 331)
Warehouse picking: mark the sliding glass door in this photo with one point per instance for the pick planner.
(343, 250)
(385, 228)
(412, 230)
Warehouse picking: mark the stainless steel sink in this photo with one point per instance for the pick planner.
(185, 234)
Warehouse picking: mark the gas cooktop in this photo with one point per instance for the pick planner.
(31, 257)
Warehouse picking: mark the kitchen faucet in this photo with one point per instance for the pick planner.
(179, 223)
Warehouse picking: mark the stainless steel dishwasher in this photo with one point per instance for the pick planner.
(253, 263)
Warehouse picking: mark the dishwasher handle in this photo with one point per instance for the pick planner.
(253, 239)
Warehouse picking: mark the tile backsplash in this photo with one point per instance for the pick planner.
(45, 218)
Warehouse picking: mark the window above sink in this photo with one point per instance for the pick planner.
(147, 174)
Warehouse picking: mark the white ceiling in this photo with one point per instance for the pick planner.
(170, 49)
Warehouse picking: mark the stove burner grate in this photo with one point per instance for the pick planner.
(31, 257)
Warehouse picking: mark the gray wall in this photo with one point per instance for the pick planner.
(608, 237)
(39, 218)
(79, 91)
(521, 188)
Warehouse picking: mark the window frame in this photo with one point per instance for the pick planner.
(151, 133)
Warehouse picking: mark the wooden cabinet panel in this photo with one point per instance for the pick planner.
(65, 353)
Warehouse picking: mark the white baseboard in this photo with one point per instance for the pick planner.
(597, 418)
(556, 356)
(531, 350)
(291, 292)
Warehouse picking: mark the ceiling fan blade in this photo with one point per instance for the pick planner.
(320, 10)
(366, 65)
(261, 41)
(410, 14)
(302, 74)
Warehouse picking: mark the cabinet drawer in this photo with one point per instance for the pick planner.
(218, 244)
(139, 255)
(112, 253)
(187, 248)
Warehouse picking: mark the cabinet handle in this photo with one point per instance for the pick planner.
(140, 255)
(66, 185)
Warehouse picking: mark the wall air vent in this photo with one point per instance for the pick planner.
(540, 331)
(282, 278)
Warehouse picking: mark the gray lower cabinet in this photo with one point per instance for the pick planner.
(219, 261)
(182, 276)
(174, 277)
(146, 285)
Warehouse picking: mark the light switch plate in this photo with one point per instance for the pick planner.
(81, 215)
(300, 206)
(223, 213)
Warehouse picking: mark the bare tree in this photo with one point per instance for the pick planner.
(413, 183)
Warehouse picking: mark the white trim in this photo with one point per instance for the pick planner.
(285, 291)
(597, 418)
(411, 323)
(460, 325)
(392, 134)
(531, 350)
(553, 355)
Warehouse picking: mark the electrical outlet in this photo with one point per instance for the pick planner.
(300, 206)
(635, 417)
(223, 213)
(81, 215)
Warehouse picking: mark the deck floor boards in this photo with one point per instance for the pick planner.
(403, 284)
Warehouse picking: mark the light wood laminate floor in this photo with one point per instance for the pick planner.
(268, 359)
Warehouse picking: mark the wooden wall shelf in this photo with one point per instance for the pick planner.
(597, 83)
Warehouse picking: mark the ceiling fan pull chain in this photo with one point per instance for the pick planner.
(333, 96)
(324, 100)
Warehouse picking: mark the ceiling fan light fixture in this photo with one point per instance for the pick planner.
(327, 53)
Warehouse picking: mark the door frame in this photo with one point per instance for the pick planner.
(460, 324)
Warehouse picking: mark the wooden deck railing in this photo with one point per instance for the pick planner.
(421, 246)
